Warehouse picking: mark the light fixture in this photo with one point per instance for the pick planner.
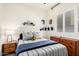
(55, 6)
(9, 34)
(44, 3)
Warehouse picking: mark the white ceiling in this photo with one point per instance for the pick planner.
(40, 6)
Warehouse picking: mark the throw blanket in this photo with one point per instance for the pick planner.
(30, 46)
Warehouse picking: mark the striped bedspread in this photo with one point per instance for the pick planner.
(31, 46)
(51, 50)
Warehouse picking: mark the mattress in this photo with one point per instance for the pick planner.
(51, 50)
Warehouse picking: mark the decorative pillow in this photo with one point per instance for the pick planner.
(37, 35)
(33, 37)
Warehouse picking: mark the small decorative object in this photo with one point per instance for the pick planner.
(9, 38)
(32, 24)
(28, 23)
(48, 28)
(24, 23)
(43, 22)
(50, 21)
(51, 28)
(42, 29)
(45, 28)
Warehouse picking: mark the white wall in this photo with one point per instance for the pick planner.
(62, 8)
(14, 14)
(1, 19)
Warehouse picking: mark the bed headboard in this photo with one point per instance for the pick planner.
(20, 36)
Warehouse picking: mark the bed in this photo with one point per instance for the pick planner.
(40, 47)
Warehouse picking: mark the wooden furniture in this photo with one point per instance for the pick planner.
(9, 47)
(71, 44)
(55, 38)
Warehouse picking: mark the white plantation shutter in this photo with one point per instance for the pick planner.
(69, 21)
(60, 23)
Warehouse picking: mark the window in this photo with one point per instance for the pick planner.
(69, 21)
(60, 23)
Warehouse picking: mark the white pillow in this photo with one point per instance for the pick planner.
(38, 35)
(20, 42)
(27, 36)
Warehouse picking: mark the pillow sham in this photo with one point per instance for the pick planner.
(38, 36)
(27, 36)
(33, 37)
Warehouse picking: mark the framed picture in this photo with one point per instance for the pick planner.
(50, 21)
(43, 22)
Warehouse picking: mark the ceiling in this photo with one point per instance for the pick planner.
(40, 6)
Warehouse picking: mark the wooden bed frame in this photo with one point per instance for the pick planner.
(71, 44)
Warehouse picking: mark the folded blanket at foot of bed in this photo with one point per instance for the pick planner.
(30, 46)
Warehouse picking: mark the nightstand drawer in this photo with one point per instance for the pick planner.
(5, 46)
(12, 49)
(13, 45)
(6, 50)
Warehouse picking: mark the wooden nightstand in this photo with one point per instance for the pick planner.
(9, 47)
